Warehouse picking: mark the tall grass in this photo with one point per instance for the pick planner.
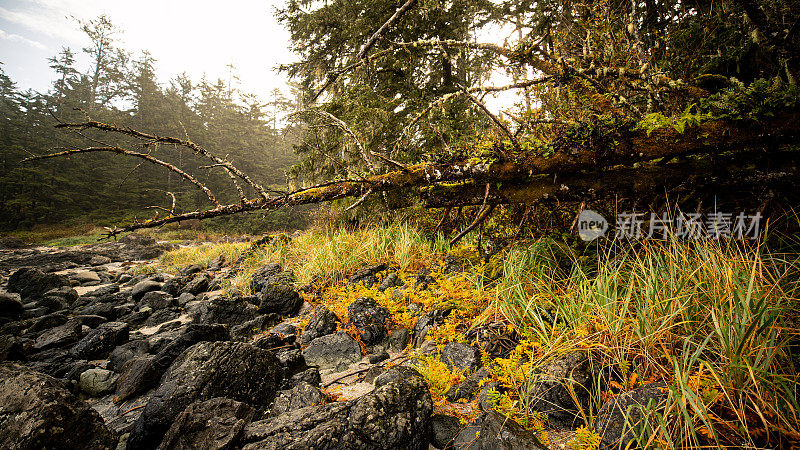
(710, 318)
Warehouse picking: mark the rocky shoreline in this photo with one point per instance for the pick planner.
(96, 356)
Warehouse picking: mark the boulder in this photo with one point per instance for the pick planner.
(332, 350)
(621, 418)
(394, 374)
(10, 305)
(460, 356)
(366, 275)
(279, 299)
(206, 370)
(323, 322)
(270, 274)
(143, 287)
(86, 278)
(157, 300)
(396, 415)
(99, 260)
(444, 430)
(185, 298)
(126, 352)
(247, 330)
(97, 382)
(37, 412)
(299, 396)
(498, 432)
(30, 282)
(399, 339)
(210, 424)
(101, 341)
(469, 387)
(60, 336)
(561, 382)
(198, 284)
(370, 319)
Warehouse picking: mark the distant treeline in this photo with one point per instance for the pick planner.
(123, 89)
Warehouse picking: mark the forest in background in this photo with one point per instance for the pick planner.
(120, 87)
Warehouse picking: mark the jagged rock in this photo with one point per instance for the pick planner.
(322, 323)
(37, 412)
(125, 352)
(11, 348)
(67, 294)
(103, 291)
(332, 350)
(279, 299)
(101, 341)
(396, 415)
(157, 300)
(563, 380)
(271, 274)
(619, 431)
(498, 432)
(469, 387)
(137, 240)
(60, 336)
(399, 339)
(90, 320)
(300, 396)
(97, 382)
(391, 280)
(444, 430)
(30, 282)
(395, 374)
(457, 355)
(310, 376)
(50, 303)
(229, 311)
(426, 322)
(48, 321)
(258, 325)
(162, 316)
(370, 320)
(140, 374)
(366, 275)
(210, 424)
(143, 287)
(375, 358)
(86, 278)
(191, 270)
(185, 298)
(10, 305)
(107, 310)
(206, 370)
(198, 284)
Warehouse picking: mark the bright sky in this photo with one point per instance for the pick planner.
(183, 35)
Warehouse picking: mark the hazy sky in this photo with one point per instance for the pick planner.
(183, 35)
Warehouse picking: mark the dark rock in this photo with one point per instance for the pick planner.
(191, 270)
(107, 310)
(322, 323)
(37, 412)
(292, 361)
(50, 303)
(460, 356)
(86, 278)
(90, 320)
(10, 305)
(395, 374)
(253, 327)
(11, 348)
(279, 299)
(399, 339)
(332, 350)
(99, 260)
(185, 298)
(137, 375)
(30, 282)
(137, 240)
(48, 321)
(310, 376)
(370, 319)
(427, 321)
(555, 390)
(375, 358)
(229, 311)
(391, 280)
(55, 362)
(60, 336)
(469, 387)
(103, 291)
(498, 432)
(271, 274)
(143, 287)
(125, 352)
(174, 285)
(65, 293)
(157, 300)
(101, 341)
(621, 418)
(366, 275)
(206, 370)
(161, 316)
(469, 437)
(300, 396)
(444, 430)
(198, 284)
(210, 424)
(394, 416)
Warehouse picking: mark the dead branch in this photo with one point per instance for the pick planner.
(339, 123)
(144, 156)
(492, 116)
